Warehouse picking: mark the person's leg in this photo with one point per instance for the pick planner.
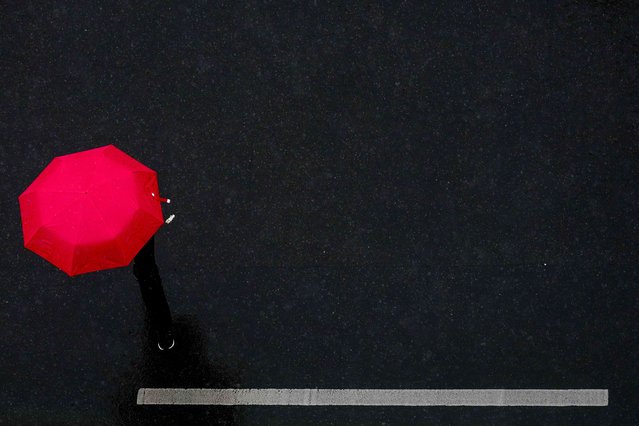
(157, 308)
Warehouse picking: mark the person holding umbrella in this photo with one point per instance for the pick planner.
(157, 309)
(95, 210)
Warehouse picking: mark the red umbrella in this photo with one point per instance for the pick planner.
(91, 210)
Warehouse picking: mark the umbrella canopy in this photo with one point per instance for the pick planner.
(91, 210)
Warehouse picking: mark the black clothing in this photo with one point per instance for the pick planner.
(157, 308)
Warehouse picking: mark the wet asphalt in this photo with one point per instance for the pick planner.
(407, 195)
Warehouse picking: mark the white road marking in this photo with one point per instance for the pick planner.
(377, 397)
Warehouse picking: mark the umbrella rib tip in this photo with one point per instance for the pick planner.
(165, 200)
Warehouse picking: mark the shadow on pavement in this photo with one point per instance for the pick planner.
(185, 366)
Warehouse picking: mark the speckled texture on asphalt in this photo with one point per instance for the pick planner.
(416, 195)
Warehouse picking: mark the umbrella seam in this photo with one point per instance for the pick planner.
(154, 176)
(107, 180)
(113, 181)
(48, 226)
(77, 237)
(105, 223)
(61, 211)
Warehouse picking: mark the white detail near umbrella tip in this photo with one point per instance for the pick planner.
(153, 194)
(170, 347)
(168, 201)
(170, 219)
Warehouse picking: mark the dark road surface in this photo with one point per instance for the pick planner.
(414, 195)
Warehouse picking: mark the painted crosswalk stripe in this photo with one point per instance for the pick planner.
(376, 397)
